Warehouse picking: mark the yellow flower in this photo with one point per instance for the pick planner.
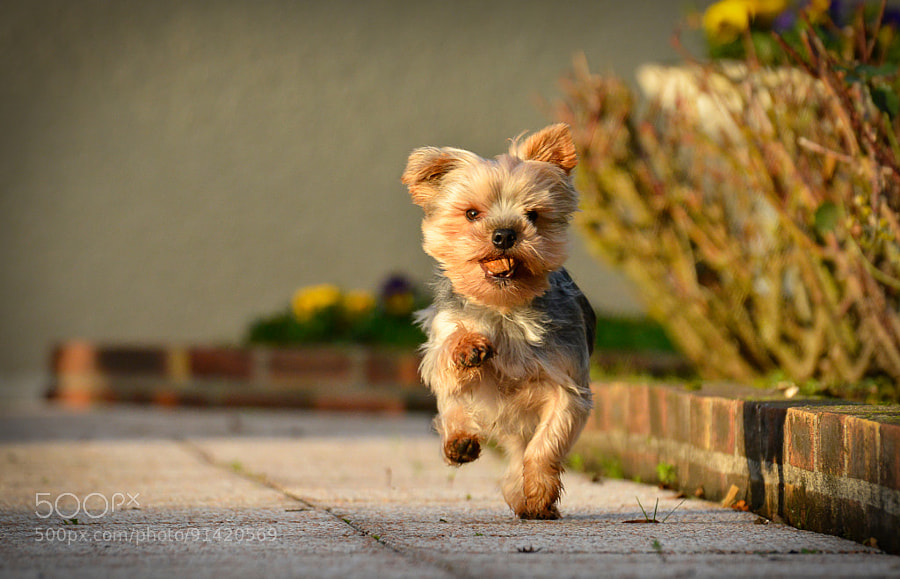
(358, 303)
(309, 300)
(767, 10)
(817, 8)
(725, 21)
(400, 304)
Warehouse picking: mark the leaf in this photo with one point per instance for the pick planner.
(730, 496)
(886, 100)
(870, 70)
(826, 217)
(741, 505)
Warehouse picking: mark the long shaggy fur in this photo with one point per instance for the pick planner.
(508, 351)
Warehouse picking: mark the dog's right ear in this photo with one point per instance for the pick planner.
(426, 168)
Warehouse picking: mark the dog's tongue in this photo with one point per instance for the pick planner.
(502, 267)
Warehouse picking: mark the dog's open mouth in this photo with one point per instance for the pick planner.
(502, 268)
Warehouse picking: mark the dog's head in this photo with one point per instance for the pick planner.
(497, 227)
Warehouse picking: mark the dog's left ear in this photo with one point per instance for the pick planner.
(426, 168)
(552, 144)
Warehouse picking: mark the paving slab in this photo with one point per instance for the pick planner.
(249, 493)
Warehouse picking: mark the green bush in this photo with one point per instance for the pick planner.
(631, 334)
(756, 209)
(324, 314)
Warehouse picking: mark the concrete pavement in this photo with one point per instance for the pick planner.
(128, 491)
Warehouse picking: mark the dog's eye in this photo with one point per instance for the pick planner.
(532, 216)
(473, 214)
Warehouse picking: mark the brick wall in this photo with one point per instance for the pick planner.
(825, 466)
(348, 378)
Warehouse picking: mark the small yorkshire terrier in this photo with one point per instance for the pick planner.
(509, 333)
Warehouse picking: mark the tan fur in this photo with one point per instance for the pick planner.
(496, 372)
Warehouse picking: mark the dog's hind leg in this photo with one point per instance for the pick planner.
(562, 418)
(513, 490)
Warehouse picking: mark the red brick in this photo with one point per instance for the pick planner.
(723, 417)
(678, 423)
(701, 417)
(641, 462)
(862, 436)
(739, 440)
(890, 455)
(284, 399)
(359, 404)
(615, 411)
(764, 430)
(392, 368)
(221, 363)
(639, 409)
(419, 401)
(597, 421)
(798, 505)
(195, 398)
(801, 430)
(75, 398)
(602, 403)
(75, 358)
(310, 364)
(831, 453)
(658, 412)
(408, 370)
(591, 425)
(130, 361)
(81, 390)
(166, 398)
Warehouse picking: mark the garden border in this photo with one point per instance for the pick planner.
(826, 466)
(352, 378)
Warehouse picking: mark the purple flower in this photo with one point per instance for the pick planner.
(397, 295)
(395, 284)
(891, 17)
(785, 21)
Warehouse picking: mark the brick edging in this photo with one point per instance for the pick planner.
(824, 466)
(347, 377)
(351, 378)
(829, 467)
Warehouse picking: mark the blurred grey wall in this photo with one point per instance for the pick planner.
(170, 169)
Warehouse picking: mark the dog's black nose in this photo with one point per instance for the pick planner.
(504, 238)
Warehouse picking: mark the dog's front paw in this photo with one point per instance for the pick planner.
(472, 351)
(462, 449)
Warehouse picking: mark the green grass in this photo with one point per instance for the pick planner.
(667, 474)
(631, 334)
(378, 327)
(381, 328)
(596, 465)
(653, 519)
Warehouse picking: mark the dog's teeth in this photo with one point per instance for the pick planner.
(499, 267)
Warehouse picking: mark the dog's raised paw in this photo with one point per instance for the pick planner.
(472, 351)
(462, 450)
